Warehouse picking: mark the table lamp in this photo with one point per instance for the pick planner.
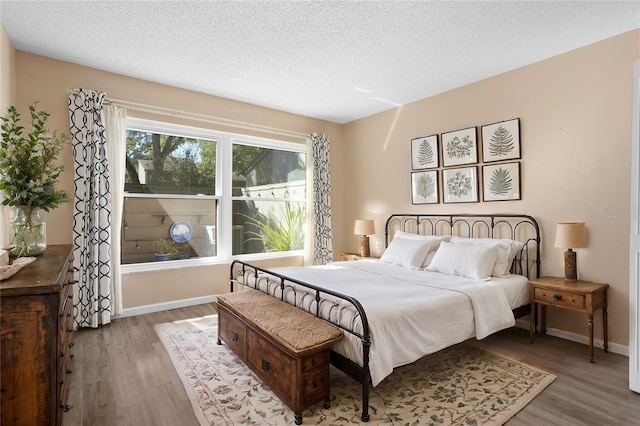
(571, 235)
(363, 228)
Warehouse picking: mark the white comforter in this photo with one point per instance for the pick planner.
(412, 313)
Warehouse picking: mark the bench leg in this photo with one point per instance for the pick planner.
(298, 419)
(219, 341)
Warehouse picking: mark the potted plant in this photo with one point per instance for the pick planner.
(184, 251)
(28, 176)
(164, 249)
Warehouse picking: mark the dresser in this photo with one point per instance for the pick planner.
(36, 336)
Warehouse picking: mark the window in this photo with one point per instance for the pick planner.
(208, 194)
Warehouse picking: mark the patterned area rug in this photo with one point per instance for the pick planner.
(461, 385)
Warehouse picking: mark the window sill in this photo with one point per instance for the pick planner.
(200, 262)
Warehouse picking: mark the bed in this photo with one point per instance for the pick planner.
(442, 279)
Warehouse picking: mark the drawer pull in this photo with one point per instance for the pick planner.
(314, 384)
(265, 365)
(72, 356)
(557, 297)
(61, 354)
(69, 330)
(65, 407)
(69, 371)
(314, 362)
(234, 337)
(71, 344)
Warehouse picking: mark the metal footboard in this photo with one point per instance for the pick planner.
(295, 292)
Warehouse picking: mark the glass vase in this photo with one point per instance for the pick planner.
(28, 232)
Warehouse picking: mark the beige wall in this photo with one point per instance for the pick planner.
(575, 117)
(7, 97)
(46, 81)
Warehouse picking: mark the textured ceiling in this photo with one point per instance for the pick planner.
(332, 60)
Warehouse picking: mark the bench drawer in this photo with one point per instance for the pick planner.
(315, 386)
(272, 365)
(232, 331)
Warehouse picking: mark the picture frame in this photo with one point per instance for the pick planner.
(459, 147)
(424, 187)
(501, 141)
(460, 185)
(501, 182)
(424, 153)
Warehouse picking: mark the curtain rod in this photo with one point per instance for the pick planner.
(198, 117)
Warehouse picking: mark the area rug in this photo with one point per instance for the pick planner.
(461, 385)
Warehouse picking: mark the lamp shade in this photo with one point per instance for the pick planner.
(571, 235)
(364, 227)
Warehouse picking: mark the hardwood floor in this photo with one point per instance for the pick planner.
(122, 375)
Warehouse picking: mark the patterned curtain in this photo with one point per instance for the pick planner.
(322, 230)
(92, 210)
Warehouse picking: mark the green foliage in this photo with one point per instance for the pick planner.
(501, 182)
(165, 246)
(28, 173)
(425, 153)
(501, 142)
(280, 232)
(459, 148)
(425, 185)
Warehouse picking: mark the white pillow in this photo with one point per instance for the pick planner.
(507, 250)
(465, 260)
(406, 252)
(435, 238)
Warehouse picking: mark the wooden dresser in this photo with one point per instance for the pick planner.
(36, 336)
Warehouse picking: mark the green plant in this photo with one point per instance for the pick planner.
(280, 232)
(28, 173)
(165, 246)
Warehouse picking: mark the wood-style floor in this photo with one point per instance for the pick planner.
(122, 375)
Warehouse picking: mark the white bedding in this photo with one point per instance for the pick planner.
(411, 313)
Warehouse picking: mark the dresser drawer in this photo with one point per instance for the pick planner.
(559, 298)
(272, 365)
(232, 331)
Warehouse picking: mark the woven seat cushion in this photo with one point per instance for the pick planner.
(294, 328)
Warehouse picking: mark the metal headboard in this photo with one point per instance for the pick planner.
(523, 228)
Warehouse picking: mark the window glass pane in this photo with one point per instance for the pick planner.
(167, 164)
(268, 226)
(268, 173)
(149, 221)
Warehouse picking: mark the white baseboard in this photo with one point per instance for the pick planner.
(165, 306)
(579, 338)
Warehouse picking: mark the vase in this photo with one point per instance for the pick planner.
(28, 232)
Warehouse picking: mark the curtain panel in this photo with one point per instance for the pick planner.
(92, 210)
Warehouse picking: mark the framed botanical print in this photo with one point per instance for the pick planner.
(501, 182)
(424, 187)
(501, 141)
(460, 185)
(459, 147)
(424, 152)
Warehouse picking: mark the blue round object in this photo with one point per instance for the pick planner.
(181, 232)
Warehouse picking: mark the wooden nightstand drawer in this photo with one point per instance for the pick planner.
(559, 298)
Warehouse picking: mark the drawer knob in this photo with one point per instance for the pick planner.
(234, 337)
(314, 384)
(61, 354)
(65, 407)
(68, 371)
(265, 365)
(557, 297)
(314, 361)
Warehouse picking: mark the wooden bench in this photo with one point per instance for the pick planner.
(288, 348)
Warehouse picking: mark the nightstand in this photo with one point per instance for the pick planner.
(582, 296)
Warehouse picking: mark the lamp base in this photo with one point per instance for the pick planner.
(570, 266)
(364, 246)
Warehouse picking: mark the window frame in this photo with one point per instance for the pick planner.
(223, 191)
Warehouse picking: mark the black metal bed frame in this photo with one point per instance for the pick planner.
(509, 226)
